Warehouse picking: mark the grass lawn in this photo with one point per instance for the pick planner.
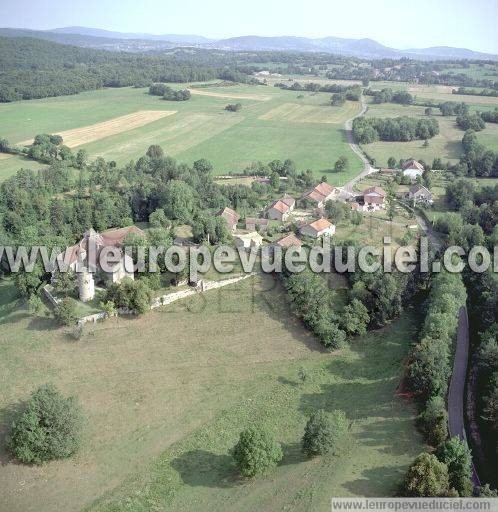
(166, 395)
(200, 128)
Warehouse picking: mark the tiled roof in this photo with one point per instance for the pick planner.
(375, 190)
(413, 164)
(290, 240)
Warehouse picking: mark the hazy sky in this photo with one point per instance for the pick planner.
(397, 23)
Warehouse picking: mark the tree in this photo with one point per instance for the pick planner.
(274, 180)
(158, 219)
(433, 420)
(155, 151)
(28, 283)
(426, 477)
(391, 162)
(256, 452)
(341, 164)
(233, 107)
(322, 434)
(65, 283)
(178, 200)
(428, 111)
(456, 455)
(355, 318)
(81, 159)
(35, 305)
(130, 294)
(48, 428)
(109, 308)
(65, 311)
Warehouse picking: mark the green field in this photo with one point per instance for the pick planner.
(166, 395)
(447, 145)
(200, 128)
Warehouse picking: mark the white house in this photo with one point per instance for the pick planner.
(281, 209)
(418, 193)
(374, 198)
(413, 169)
(318, 228)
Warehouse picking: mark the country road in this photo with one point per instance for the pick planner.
(348, 188)
(456, 396)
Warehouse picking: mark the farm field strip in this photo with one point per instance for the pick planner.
(87, 134)
(298, 113)
(235, 95)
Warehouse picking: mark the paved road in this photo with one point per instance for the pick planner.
(456, 394)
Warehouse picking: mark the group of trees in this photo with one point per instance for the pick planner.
(476, 92)
(430, 366)
(452, 108)
(471, 122)
(477, 160)
(446, 473)
(311, 299)
(34, 68)
(387, 95)
(491, 116)
(367, 130)
(233, 107)
(169, 93)
(257, 452)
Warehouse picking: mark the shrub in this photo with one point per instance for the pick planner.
(48, 428)
(256, 452)
(233, 107)
(134, 295)
(322, 434)
(65, 311)
(426, 477)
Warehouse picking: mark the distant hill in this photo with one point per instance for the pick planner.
(140, 42)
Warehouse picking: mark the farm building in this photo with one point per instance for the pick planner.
(413, 169)
(281, 209)
(418, 193)
(88, 252)
(318, 228)
(231, 217)
(248, 240)
(320, 194)
(374, 198)
(252, 223)
(290, 240)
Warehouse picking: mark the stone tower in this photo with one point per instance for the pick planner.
(87, 251)
(86, 286)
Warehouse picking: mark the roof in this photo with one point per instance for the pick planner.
(288, 200)
(108, 238)
(419, 188)
(290, 240)
(374, 190)
(231, 216)
(320, 192)
(253, 235)
(255, 221)
(319, 225)
(413, 164)
(279, 206)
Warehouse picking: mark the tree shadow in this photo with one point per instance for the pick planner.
(199, 468)
(42, 323)
(374, 479)
(293, 454)
(287, 382)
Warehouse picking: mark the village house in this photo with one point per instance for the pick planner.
(281, 209)
(252, 223)
(419, 193)
(374, 198)
(320, 194)
(318, 228)
(231, 217)
(413, 169)
(85, 257)
(290, 240)
(248, 240)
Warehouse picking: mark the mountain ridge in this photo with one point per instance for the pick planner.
(361, 48)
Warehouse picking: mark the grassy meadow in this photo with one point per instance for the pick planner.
(166, 395)
(200, 128)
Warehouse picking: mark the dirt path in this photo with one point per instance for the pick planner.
(456, 394)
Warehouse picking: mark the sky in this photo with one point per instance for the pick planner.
(397, 23)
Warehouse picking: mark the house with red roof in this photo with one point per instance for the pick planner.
(231, 217)
(281, 208)
(320, 194)
(374, 198)
(318, 228)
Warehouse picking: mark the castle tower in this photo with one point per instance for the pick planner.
(86, 283)
(86, 286)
